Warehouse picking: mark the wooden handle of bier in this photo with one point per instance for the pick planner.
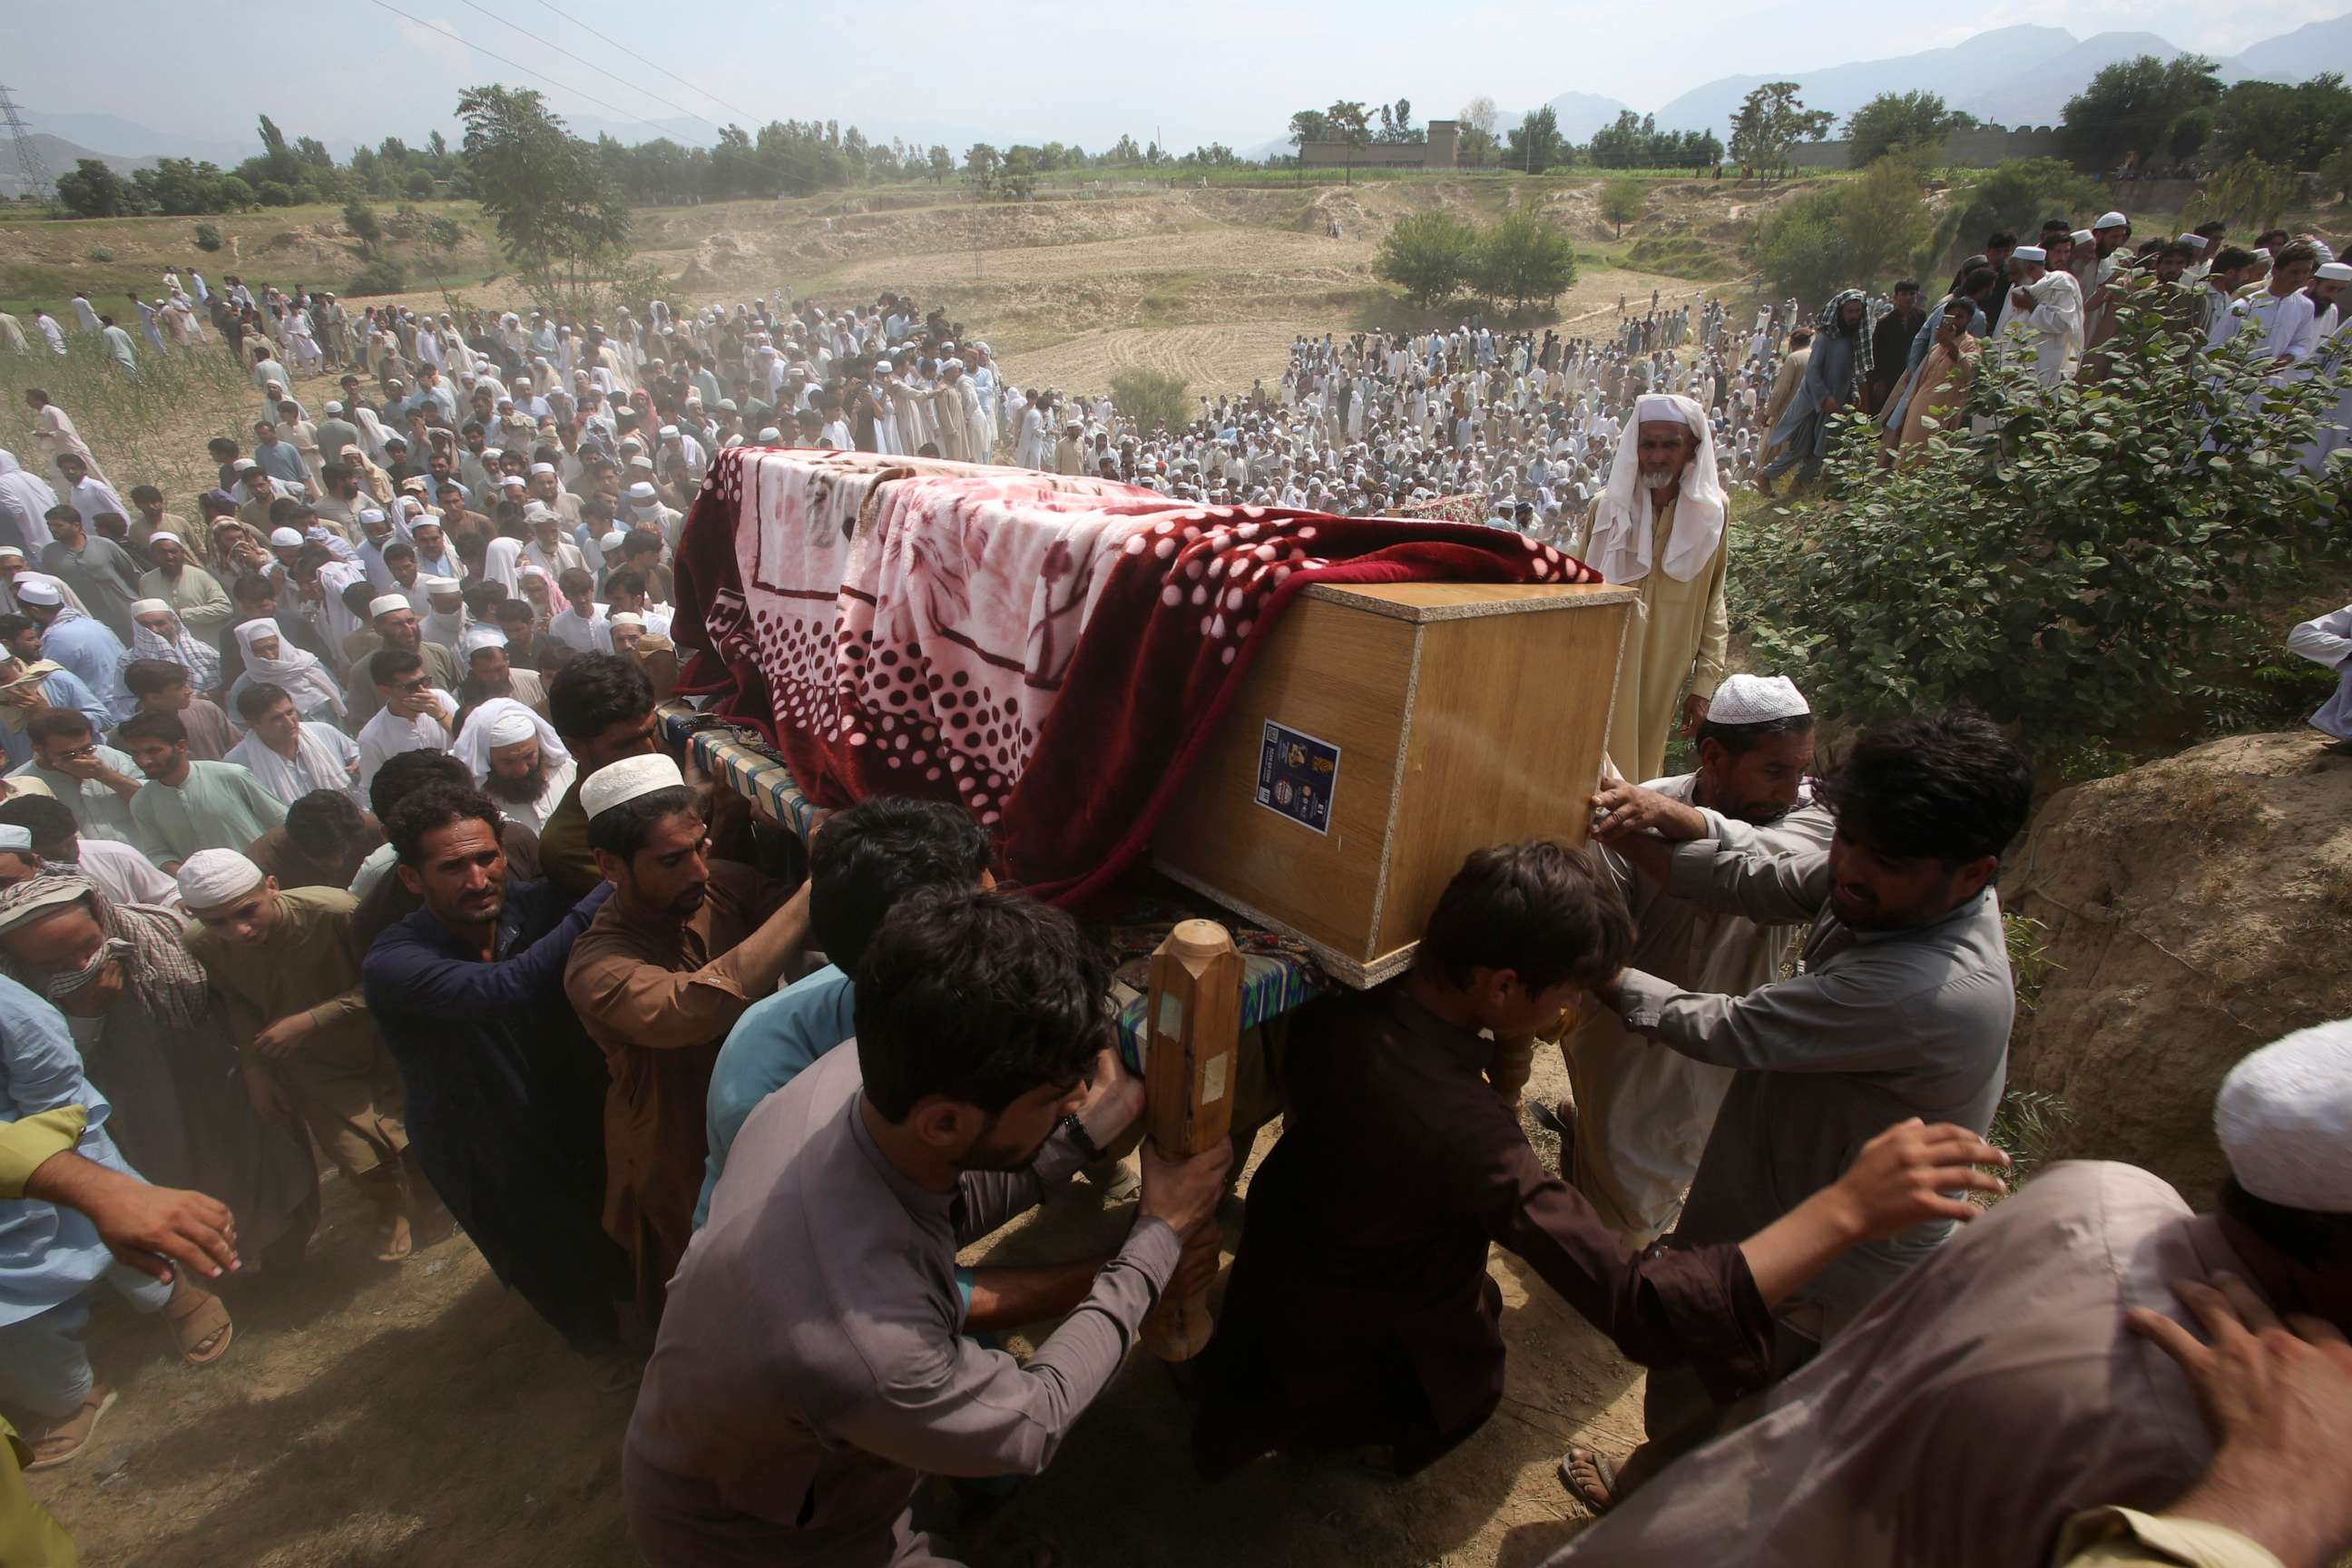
(1192, 1031)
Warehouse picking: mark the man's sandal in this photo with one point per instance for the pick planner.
(67, 1443)
(200, 1325)
(1590, 1477)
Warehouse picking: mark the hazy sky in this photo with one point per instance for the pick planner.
(1008, 69)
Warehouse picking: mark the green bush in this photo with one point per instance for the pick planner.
(2082, 562)
(1155, 400)
(274, 194)
(381, 276)
(208, 237)
(420, 184)
(101, 253)
(1622, 201)
(1523, 261)
(1427, 255)
(1800, 247)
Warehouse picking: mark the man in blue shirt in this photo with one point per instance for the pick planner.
(506, 1095)
(865, 859)
(28, 686)
(77, 642)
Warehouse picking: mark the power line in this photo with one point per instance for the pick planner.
(517, 65)
(592, 65)
(744, 114)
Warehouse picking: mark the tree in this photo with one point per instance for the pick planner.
(360, 218)
(1475, 143)
(90, 189)
(2086, 557)
(1428, 254)
(2297, 126)
(1351, 127)
(1622, 201)
(561, 219)
(2014, 196)
(1771, 121)
(941, 161)
(1523, 260)
(1017, 180)
(1883, 219)
(180, 187)
(2335, 174)
(1913, 121)
(1155, 401)
(1536, 143)
(2130, 108)
(1396, 123)
(2248, 191)
(1306, 125)
(1799, 246)
(979, 164)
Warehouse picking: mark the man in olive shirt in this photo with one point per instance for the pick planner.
(979, 1077)
(601, 706)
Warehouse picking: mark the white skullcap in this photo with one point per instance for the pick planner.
(645, 463)
(284, 539)
(15, 550)
(770, 436)
(613, 540)
(170, 533)
(513, 725)
(443, 585)
(150, 607)
(617, 784)
(35, 589)
(543, 468)
(2262, 253)
(211, 877)
(384, 603)
(372, 514)
(2031, 253)
(538, 511)
(479, 637)
(2112, 220)
(489, 452)
(243, 464)
(625, 619)
(2284, 1119)
(2335, 272)
(511, 481)
(334, 407)
(643, 494)
(2194, 241)
(1661, 407)
(1756, 699)
(669, 432)
(14, 837)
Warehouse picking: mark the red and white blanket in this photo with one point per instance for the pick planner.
(1048, 652)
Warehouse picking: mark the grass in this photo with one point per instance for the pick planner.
(150, 430)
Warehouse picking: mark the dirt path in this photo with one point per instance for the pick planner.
(369, 1415)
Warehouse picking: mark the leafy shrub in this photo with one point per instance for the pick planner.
(274, 194)
(101, 253)
(420, 184)
(1427, 255)
(1523, 261)
(2080, 562)
(381, 276)
(208, 238)
(1155, 400)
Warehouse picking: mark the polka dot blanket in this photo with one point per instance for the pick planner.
(1049, 652)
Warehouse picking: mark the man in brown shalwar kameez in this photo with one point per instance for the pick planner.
(686, 944)
(1360, 1309)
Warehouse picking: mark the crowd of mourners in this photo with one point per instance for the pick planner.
(340, 829)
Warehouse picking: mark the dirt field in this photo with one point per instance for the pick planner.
(369, 1415)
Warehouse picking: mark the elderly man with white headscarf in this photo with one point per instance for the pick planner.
(518, 759)
(1659, 527)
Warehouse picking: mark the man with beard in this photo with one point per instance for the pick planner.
(516, 760)
(489, 674)
(1901, 1008)
(502, 1089)
(1658, 527)
(980, 1076)
(1641, 1116)
(684, 947)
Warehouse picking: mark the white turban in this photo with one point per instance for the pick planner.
(1620, 548)
(211, 877)
(2284, 1119)
(501, 721)
(617, 784)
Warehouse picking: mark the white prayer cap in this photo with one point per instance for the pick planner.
(627, 619)
(12, 837)
(1661, 406)
(2031, 253)
(334, 407)
(511, 726)
(882, 366)
(617, 784)
(612, 541)
(2262, 253)
(150, 607)
(479, 637)
(539, 511)
(2112, 220)
(643, 494)
(2193, 241)
(770, 435)
(543, 468)
(242, 465)
(384, 603)
(33, 588)
(641, 462)
(211, 877)
(2082, 237)
(444, 585)
(669, 432)
(284, 539)
(511, 481)
(170, 533)
(15, 550)
(2284, 1119)
(2335, 272)
(370, 514)
(1756, 699)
